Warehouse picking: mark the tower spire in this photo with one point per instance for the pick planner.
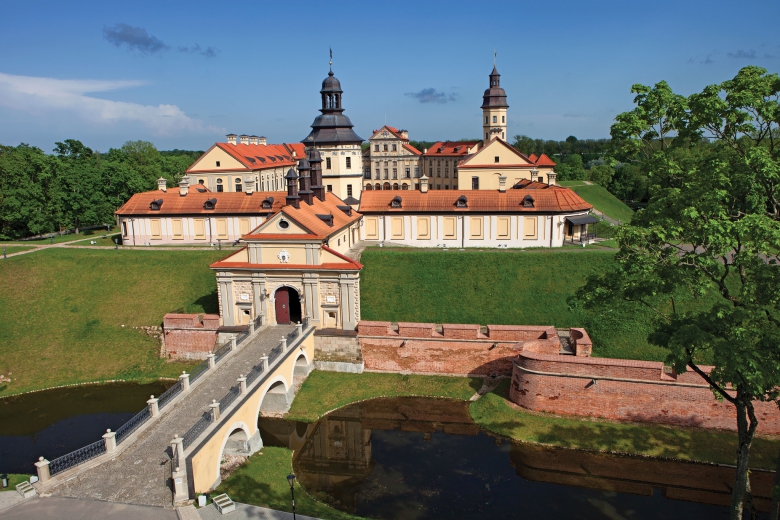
(495, 54)
(330, 63)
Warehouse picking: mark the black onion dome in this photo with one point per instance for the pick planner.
(331, 84)
(494, 97)
(291, 174)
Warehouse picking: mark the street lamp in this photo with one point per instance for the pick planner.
(291, 481)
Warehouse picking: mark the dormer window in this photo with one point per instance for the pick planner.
(328, 219)
(267, 203)
(528, 201)
(396, 202)
(210, 204)
(462, 202)
(156, 205)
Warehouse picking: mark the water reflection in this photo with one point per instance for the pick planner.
(416, 458)
(55, 422)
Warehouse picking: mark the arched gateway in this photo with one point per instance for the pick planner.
(288, 306)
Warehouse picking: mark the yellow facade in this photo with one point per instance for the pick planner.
(497, 159)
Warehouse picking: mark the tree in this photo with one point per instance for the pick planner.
(710, 233)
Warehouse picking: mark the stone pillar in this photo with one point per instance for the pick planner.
(264, 361)
(210, 358)
(43, 470)
(348, 319)
(242, 385)
(251, 327)
(185, 381)
(180, 488)
(154, 411)
(299, 329)
(214, 410)
(284, 343)
(110, 439)
(233, 342)
(177, 450)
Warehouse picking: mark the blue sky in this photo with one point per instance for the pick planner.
(182, 74)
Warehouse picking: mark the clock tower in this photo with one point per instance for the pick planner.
(494, 109)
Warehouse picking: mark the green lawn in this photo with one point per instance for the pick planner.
(262, 481)
(14, 479)
(500, 287)
(63, 312)
(493, 412)
(92, 233)
(601, 199)
(326, 391)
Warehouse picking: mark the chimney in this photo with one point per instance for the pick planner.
(253, 139)
(502, 184)
(292, 188)
(261, 140)
(425, 150)
(315, 159)
(405, 134)
(243, 138)
(161, 184)
(184, 186)
(424, 184)
(249, 186)
(304, 169)
(231, 138)
(551, 178)
(534, 175)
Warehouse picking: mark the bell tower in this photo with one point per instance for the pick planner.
(494, 108)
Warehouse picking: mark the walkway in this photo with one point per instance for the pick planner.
(141, 474)
(57, 508)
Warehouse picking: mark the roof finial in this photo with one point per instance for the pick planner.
(494, 57)
(330, 63)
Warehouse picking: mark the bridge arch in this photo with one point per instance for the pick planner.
(277, 396)
(301, 367)
(238, 440)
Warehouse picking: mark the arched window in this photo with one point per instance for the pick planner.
(378, 186)
(395, 186)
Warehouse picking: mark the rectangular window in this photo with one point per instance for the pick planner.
(395, 173)
(217, 164)
(372, 228)
(176, 229)
(330, 188)
(156, 230)
(394, 148)
(385, 147)
(408, 173)
(495, 119)
(503, 119)
(450, 228)
(502, 228)
(238, 187)
(376, 147)
(349, 162)
(475, 183)
(327, 163)
(349, 190)
(486, 119)
(529, 228)
(124, 228)
(424, 228)
(243, 226)
(377, 173)
(397, 228)
(199, 226)
(496, 158)
(476, 230)
(219, 188)
(222, 228)
(386, 173)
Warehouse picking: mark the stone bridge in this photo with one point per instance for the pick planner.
(177, 449)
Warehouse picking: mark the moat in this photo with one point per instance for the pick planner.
(417, 458)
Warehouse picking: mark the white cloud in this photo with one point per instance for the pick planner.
(41, 96)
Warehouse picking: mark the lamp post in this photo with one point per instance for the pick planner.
(291, 481)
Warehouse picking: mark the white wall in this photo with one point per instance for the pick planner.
(139, 229)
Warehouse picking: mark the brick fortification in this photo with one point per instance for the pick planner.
(552, 371)
(189, 336)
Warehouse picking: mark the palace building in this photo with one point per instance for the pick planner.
(390, 162)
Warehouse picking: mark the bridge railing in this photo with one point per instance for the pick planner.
(108, 445)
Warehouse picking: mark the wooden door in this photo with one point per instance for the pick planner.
(282, 306)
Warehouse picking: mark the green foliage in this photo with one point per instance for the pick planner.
(588, 149)
(710, 232)
(76, 186)
(500, 287)
(495, 413)
(262, 481)
(323, 392)
(64, 311)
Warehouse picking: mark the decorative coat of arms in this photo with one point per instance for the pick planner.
(283, 256)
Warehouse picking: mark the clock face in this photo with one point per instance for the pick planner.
(283, 256)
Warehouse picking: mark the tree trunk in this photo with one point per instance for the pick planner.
(746, 428)
(773, 511)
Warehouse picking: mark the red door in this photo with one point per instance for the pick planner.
(282, 306)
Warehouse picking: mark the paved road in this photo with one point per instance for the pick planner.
(57, 508)
(141, 474)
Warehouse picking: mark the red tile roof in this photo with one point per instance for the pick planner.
(550, 199)
(450, 149)
(281, 236)
(412, 149)
(307, 217)
(543, 160)
(228, 203)
(258, 157)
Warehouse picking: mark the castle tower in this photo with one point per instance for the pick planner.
(494, 109)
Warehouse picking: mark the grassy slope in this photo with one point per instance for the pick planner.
(326, 391)
(601, 199)
(499, 287)
(92, 233)
(494, 413)
(63, 311)
(262, 481)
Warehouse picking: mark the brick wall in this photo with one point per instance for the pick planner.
(189, 336)
(651, 396)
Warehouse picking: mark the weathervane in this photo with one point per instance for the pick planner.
(494, 57)
(330, 63)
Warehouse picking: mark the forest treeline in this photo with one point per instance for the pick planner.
(75, 186)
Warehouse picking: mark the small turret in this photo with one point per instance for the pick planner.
(292, 189)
